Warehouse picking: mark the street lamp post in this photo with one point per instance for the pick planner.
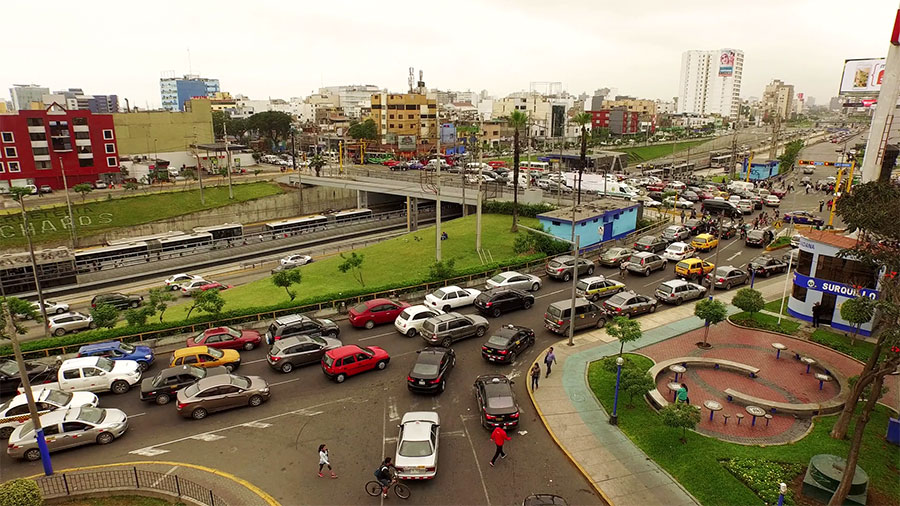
(614, 419)
(37, 283)
(782, 489)
(68, 205)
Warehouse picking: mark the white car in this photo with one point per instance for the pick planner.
(100, 185)
(678, 251)
(51, 307)
(772, 201)
(513, 279)
(68, 322)
(189, 287)
(682, 203)
(646, 201)
(410, 321)
(417, 446)
(795, 240)
(295, 260)
(14, 412)
(174, 281)
(745, 206)
(451, 297)
(734, 199)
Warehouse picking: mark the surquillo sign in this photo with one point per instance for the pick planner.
(833, 287)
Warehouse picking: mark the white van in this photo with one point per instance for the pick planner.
(740, 185)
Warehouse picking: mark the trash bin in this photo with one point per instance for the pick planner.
(893, 431)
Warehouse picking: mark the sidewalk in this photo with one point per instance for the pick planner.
(616, 467)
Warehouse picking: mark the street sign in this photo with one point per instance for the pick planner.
(824, 164)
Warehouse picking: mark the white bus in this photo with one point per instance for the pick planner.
(539, 166)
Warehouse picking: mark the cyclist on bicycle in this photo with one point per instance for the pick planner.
(385, 475)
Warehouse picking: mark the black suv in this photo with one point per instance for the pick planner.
(117, 300)
(497, 301)
(297, 324)
(162, 387)
(429, 372)
(507, 343)
(496, 401)
(11, 379)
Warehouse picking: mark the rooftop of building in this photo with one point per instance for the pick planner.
(831, 238)
(587, 211)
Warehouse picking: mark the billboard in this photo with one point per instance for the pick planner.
(862, 75)
(726, 63)
(406, 142)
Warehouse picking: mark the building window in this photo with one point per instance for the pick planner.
(391, 116)
(804, 262)
(10, 152)
(13, 166)
(411, 116)
(7, 136)
(555, 223)
(110, 147)
(34, 122)
(41, 136)
(40, 151)
(85, 162)
(845, 271)
(799, 293)
(82, 135)
(108, 134)
(391, 125)
(43, 164)
(79, 121)
(110, 161)
(2, 170)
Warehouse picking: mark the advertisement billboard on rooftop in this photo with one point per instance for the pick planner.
(862, 76)
(726, 63)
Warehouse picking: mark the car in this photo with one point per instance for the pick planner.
(350, 360)
(644, 262)
(679, 204)
(629, 303)
(558, 317)
(45, 188)
(69, 322)
(496, 401)
(296, 260)
(507, 343)
(757, 202)
(676, 291)
(650, 243)
(191, 286)
(706, 195)
(117, 350)
(795, 240)
(778, 192)
(695, 225)
(803, 218)
(10, 377)
(772, 201)
(221, 392)
(67, 429)
(297, 324)
(721, 207)
(678, 251)
(417, 446)
(596, 287)
(375, 312)
(734, 199)
(728, 229)
(562, 267)
(755, 238)
(497, 301)
(766, 265)
(100, 185)
(808, 170)
(294, 351)
(174, 281)
(646, 201)
(791, 257)
(410, 320)
(226, 338)
(117, 300)
(693, 268)
(690, 195)
(51, 308)
(674, 233)
(513, 279)
(162, 388)
(704, 242)
(451, 297)
(15, 412)
(727, 276)
(205, 356)
(214, 285)
(613, 257)
(430, 370)
(745, 206)
(448, 328)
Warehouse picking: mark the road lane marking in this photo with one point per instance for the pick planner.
(207, 437)
(149, 452)
(283, 382)
(377, 336)
(732, 257)
(161, 478)
(257, 425)
(136, 415)
(477, 463)
(393, 414)
(254, 361)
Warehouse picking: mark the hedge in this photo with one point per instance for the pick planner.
(20, 492)
(764, 477)
(506, 207)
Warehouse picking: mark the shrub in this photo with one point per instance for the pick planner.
(442, 269)
(764, 477)
(749, 300)
(20, 492)
(679, 415)
(525, 210)
(138, 317)
(105, 316)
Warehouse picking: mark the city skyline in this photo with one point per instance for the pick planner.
(254, 53)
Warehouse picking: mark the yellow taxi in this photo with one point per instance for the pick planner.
(204, 356)
(704, 242)
(693, 268)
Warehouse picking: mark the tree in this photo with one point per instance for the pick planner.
(582, 118)
(83, 189)
(274, 125)
(365, 130)
(159, 299)
(442, 269)
(518, 120)
(856, 312)
(625, 330)
(218, 120)
(316, 163)
(138, 317)
(789, 157)
(284, 279)
(353, 263)
(105, 316)
(636, 382)
(209, 301)
(131, 186)
(712, 312)
(680, 415)
(19, 310)
(749, 300)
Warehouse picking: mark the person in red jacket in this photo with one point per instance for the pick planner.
(499, 437)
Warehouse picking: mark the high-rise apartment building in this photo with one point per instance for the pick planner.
(777, 101)
(75, 99)
(405, 119)
(352, 99)
(175, 91)
(710, 82)
(27, 96)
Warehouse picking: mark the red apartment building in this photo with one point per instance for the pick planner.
(618, 121)
(36, 145)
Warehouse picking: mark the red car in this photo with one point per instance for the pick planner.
(376, 311)
(780, 193)
(226, 338)
(657, 187)
(216, 285)
(391, 163)
(496, 163)
(704, 195)
(349, 360)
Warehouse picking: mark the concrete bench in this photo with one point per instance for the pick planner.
(832, 405)
(658, 399)
(717, 363)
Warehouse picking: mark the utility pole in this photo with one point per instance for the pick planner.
(227, 161)
(293, 151)
(462, 171)
(884, 113)
(69, 205)
(480, 177)
(437, 222)
(37, 283)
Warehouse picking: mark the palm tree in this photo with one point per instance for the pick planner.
(582, 118)
(517, 120)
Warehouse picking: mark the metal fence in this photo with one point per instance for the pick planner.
(76, 483)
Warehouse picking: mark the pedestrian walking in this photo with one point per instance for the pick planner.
(816, 313)
(821, 204)
(693, 213)
(682, 216)
(549, 359)
(535, 376)
(623, 269)
(807, 189)
(323, 461)
(499, 437)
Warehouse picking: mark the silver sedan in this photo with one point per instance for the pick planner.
(513, 279)
(67, 429)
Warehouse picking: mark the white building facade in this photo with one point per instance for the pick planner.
(710, 82)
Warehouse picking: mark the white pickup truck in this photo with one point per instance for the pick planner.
(95, 374)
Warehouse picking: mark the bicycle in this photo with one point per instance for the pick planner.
(374, 488)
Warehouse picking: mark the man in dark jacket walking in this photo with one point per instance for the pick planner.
(499, 437)
(816, 313)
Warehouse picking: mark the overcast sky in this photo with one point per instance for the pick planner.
(282, 49)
